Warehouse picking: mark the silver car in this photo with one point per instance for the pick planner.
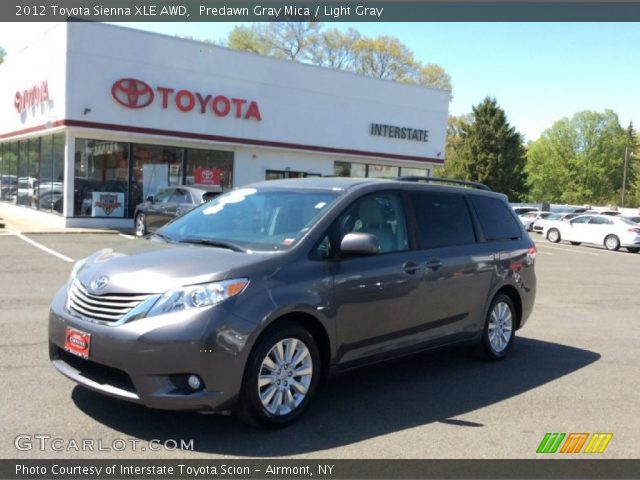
(249, 301)
(611, 231)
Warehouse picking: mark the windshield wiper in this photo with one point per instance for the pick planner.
(213, 243)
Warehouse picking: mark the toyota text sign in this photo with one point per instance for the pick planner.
(134, 93)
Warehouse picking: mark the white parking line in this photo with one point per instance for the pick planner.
(42, 247)
(569, 249)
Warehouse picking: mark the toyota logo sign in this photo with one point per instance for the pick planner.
(99, 283)
(132, 93)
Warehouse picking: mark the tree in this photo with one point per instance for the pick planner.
(3, 54)
(633, 170)
(488, 150)
(335, 49)
(579, 160)
(383, 57)
(452, 168)
(286, 40)
(434, 76)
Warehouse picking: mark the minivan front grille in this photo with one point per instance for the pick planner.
(105, 308)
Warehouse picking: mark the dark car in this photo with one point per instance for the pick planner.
(167, 204)
(247, 302)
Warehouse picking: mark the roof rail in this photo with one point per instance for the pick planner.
(479, 186)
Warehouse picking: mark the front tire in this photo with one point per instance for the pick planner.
(500, 327)
(612, 242)
(553, 235)
(141, 225)
(633, 249)
(281, 377)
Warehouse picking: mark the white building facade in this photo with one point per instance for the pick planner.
(96, 117)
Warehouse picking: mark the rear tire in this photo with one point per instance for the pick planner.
(612, 242)
(575, 243)
(553, 235)
(633, 249)
(499, 328)
(281, 377)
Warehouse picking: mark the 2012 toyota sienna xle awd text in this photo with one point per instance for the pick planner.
(248, 302)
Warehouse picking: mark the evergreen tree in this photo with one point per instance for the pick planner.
(633, 170)
(490, 151)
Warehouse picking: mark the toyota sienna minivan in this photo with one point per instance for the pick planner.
(248, 302)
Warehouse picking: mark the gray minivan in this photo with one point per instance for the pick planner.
(248, 302)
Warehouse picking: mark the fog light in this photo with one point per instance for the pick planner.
(194, 382)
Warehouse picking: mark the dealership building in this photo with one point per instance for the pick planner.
(94, 118)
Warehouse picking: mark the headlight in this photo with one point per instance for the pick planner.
(197, 296)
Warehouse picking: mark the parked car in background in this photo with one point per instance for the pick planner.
(612, 213)
(529, 218)
(249, 301)
(633, 219)
(539, 225)
(521, 210)
(8, 187)
(169, 203)
(611, 231)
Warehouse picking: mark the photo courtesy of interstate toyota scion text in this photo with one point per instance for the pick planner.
(249, 301)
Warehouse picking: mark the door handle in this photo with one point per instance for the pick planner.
(434, 263)
(410, 267)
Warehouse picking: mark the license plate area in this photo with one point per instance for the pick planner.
(77, 342)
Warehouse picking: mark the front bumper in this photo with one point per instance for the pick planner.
(147, 361)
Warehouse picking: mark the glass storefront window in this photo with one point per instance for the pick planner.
(25, 186)
(154, 167)
(377, 171)
(101, 178)
(9, 173)
(51, 183)
(209, 167)
(348, 169)
(414, 172)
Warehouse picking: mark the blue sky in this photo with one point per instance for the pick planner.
(539, 72)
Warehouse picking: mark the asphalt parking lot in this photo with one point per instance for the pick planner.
(575, 368)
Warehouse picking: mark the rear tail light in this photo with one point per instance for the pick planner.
(532, 252)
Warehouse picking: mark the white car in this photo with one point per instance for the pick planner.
(540, 224)
(522, 210)
(612, 232)
(529, 219)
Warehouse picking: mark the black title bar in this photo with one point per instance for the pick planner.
(306, 10)
(318, 469)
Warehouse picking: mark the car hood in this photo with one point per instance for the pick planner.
(154, 267)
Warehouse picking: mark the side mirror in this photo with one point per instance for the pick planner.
(359, 244)
(150, 198)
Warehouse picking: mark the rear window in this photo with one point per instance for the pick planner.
(495, 218)
(443, 219)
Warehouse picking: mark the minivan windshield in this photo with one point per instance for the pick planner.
(256, 219)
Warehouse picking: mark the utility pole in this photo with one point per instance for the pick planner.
(624, 174)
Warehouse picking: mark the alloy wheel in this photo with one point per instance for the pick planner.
(500, 327)
(285, 376)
